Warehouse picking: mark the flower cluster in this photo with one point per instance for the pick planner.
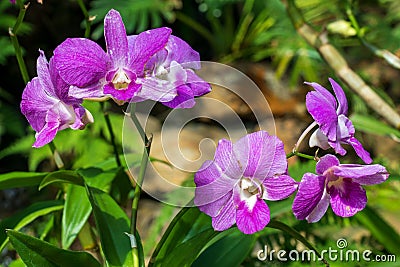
(232, 188)
(153, 65)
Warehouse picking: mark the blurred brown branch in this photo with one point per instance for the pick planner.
(337, 62)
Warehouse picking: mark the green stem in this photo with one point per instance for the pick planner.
(57, 158)
(88, 21)
(203, 31)
(139, 181)
(295, 153)
(389, 57)
(112, 136)
(14, 40)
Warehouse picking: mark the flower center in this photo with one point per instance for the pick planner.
(121, 80)
(250, 187)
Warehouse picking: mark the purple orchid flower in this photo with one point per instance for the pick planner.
(12, 2)
(171, 70)
(47, 106)
(337, 184)
(232, 188)
(95, 73)
(330, 114)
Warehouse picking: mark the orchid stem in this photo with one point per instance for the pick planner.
(302, 155)
(303, 135)
(14, 40)
(112, 135)
(140, 178)
(57, 157)
(340, 66)
(388, 56)
(88, 20)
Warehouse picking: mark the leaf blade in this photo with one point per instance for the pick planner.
(35, 252)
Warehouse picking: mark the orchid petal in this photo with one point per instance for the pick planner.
(226, 217)
(42, 68)
(251, 220)
(362, 174)
(309, 194)
(35, 104)
(360, 151)
(183, 99)
(181, 52)
(261, 155)
(49, 131)
(319, 210)
(61, 88)
(213, 209)
(322, 107)
(155, 89)
(211, 184)
(340, 96)
(92, 91)
(81, 62)
(226, 159)
(124, 94)
(116, 40)
(325, 163)
(318, 139)
(145, 45)
(199, 87)
(279, 187)
(348, 198)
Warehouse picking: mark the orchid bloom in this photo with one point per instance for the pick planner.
(152, 65)
(172, 69)
(47, 106)
(337, 184)
(330, 113)
(232, 188)
(95, 73)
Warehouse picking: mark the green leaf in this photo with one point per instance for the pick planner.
(137, 14)
(379, 229)
(292, 232)
(75, 215)
(187, 235)
(77, 209)
(112, 224)
(26, 216)
(62, 176)
(371, 125)
(35, 252)
(20, 179)
(230, 250)
(98, 178)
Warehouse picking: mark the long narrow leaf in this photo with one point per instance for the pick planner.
(294, 233)
(231, 250)
(76, 212)
(380, 229)
(20, 179)
(112, 224)
(26, 216)
(35, 252)
(62, 176)
(188, 234)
